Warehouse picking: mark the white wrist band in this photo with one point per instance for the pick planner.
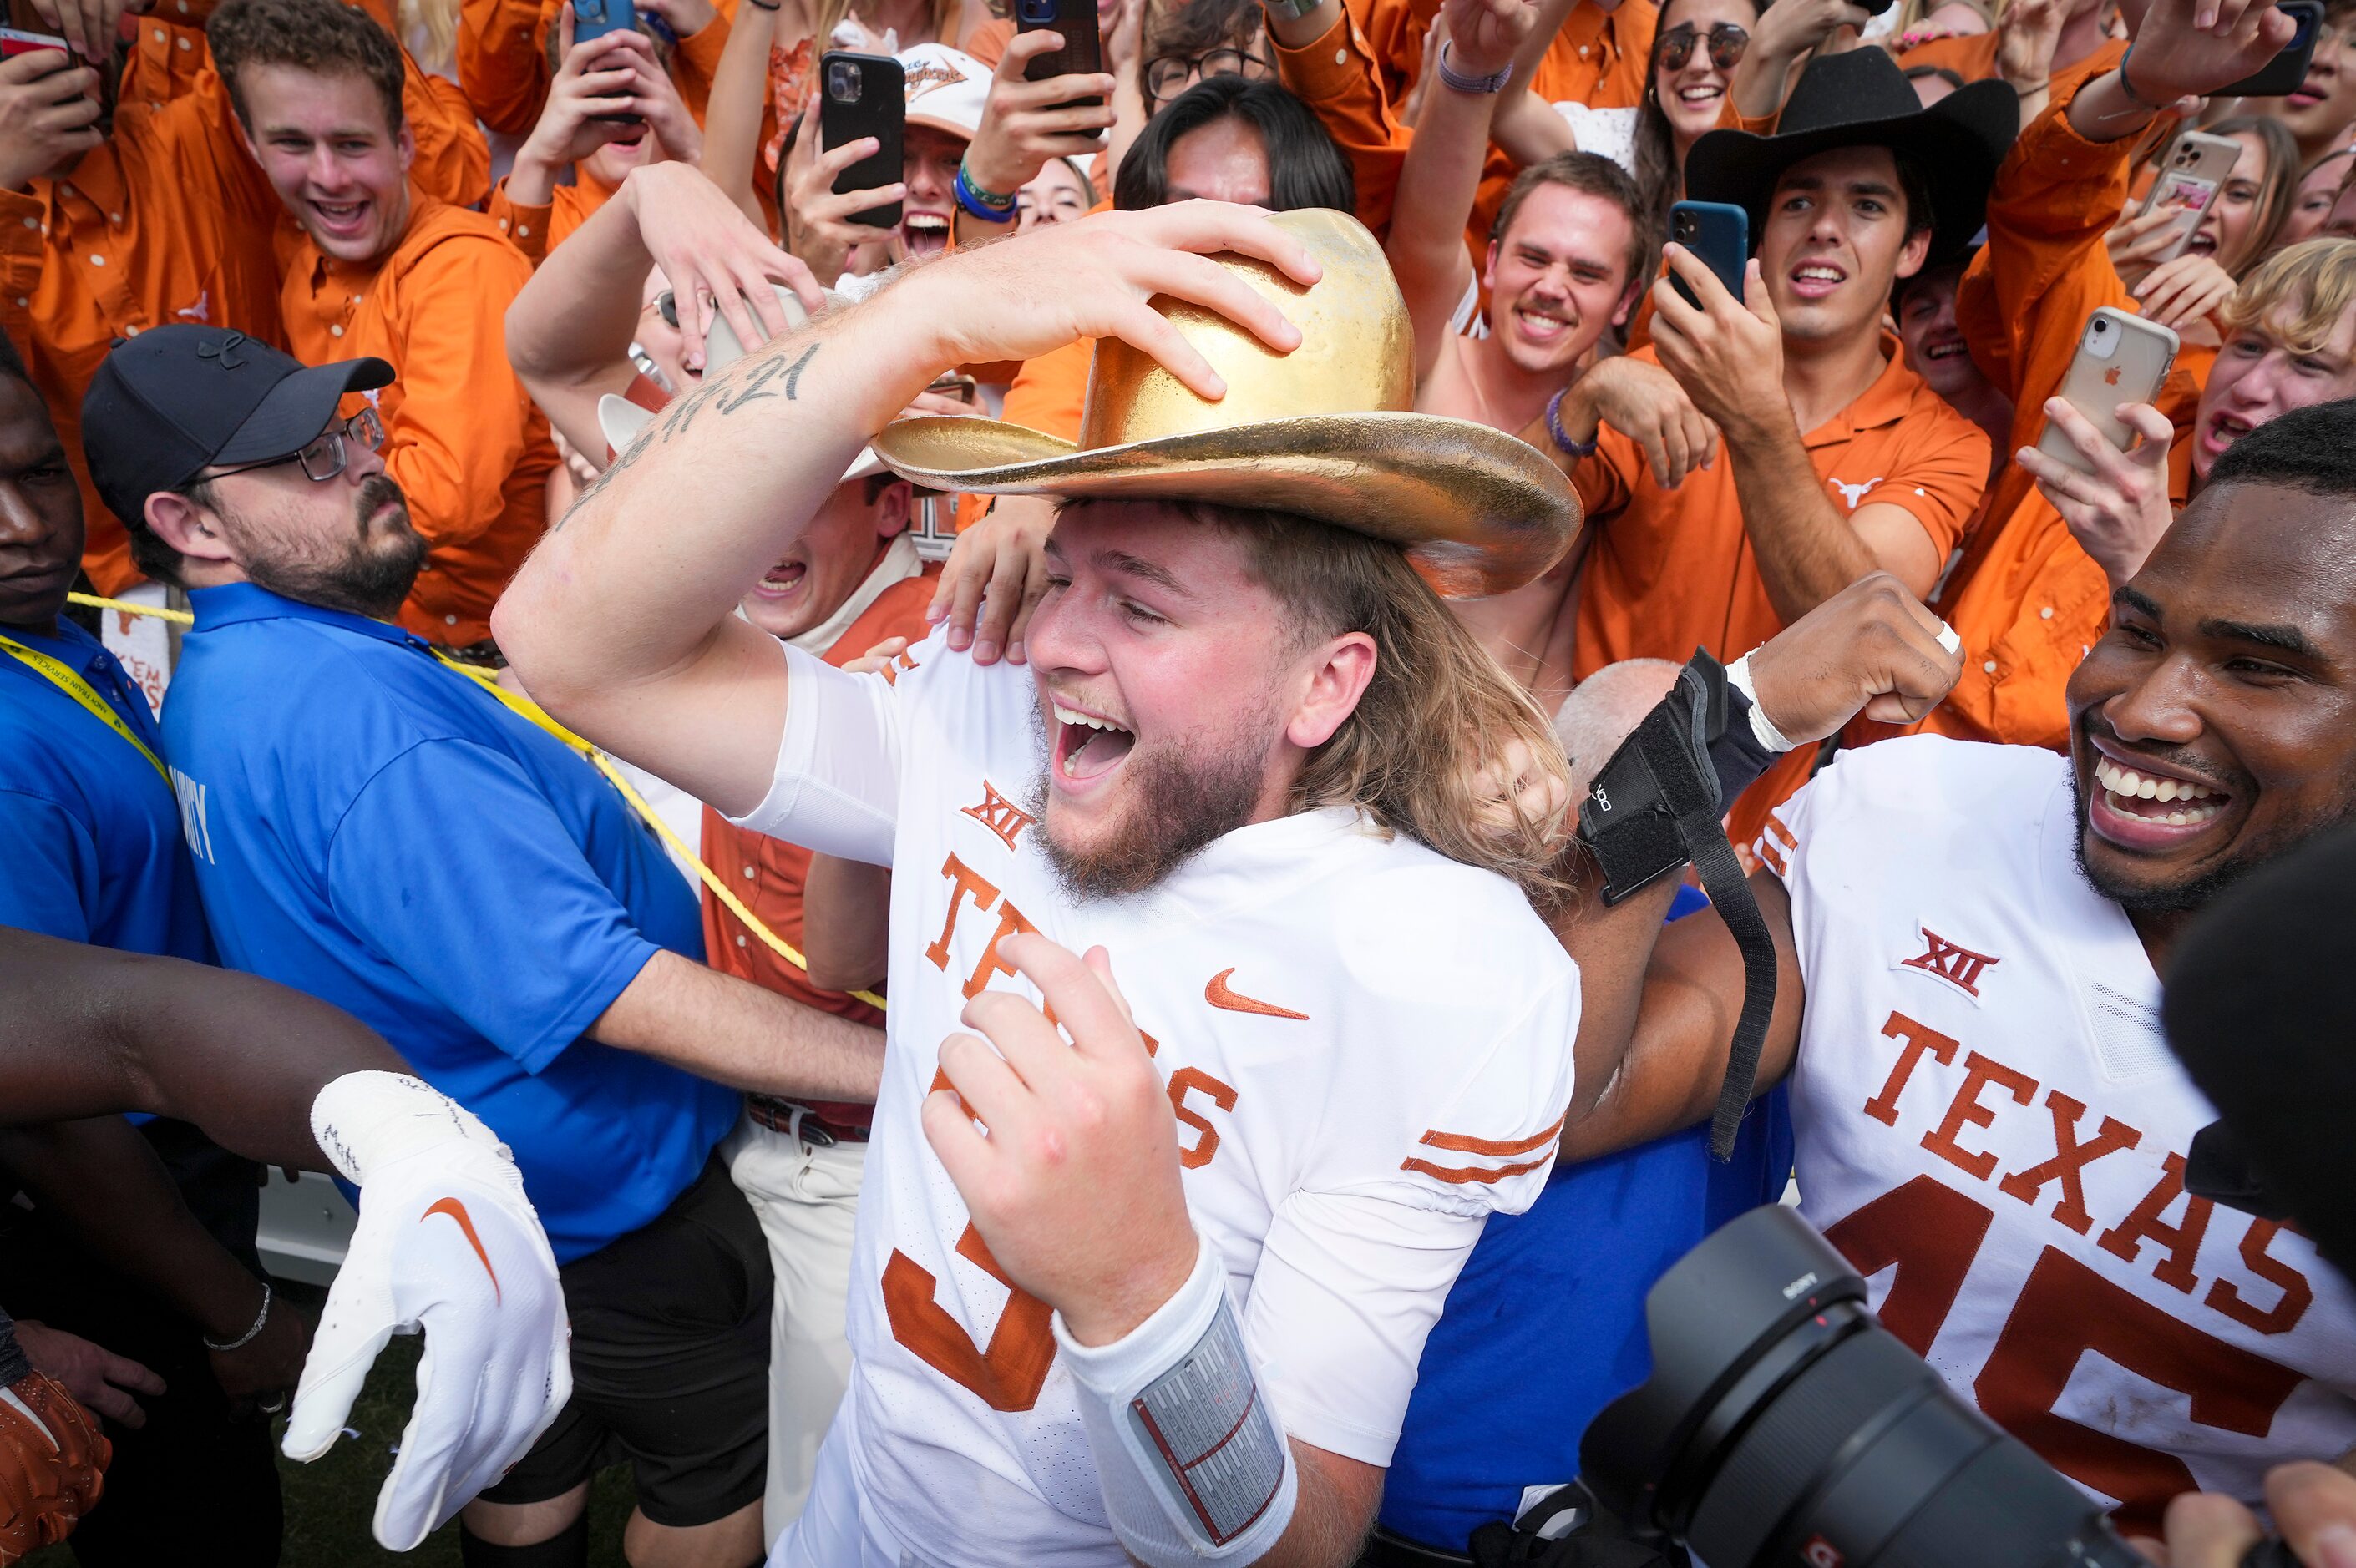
(364, 1121)
(1194, 1467)
(1738, 676)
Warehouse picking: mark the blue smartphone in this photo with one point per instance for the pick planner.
(593, 19)
(1719, 234)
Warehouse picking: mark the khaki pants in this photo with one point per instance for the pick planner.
(806, 1198)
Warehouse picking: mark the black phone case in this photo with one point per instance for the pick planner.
(2280, 77)
(1722, 241)
(1082, 50)
(880, 110)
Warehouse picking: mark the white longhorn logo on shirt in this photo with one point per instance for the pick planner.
(1853, 494)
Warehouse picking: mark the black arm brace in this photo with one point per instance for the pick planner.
(1658, 805)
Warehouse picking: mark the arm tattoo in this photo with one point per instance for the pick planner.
(731, 391)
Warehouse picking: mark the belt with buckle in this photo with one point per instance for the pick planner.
(801, 1122)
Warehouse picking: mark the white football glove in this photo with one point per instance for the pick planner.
(447, 1242)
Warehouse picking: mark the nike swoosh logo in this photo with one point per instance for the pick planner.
(457, 1211)
(1219, 994)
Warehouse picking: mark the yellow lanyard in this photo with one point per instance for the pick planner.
(527, 708)
(68, 681)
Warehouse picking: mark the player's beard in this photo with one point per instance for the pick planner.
(367, 572)
(1182, 799)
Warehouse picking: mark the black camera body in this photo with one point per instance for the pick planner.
(1783, 1425)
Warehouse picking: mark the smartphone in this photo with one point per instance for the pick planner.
(1719, 234)
(14, 43)
(2195, 166)
(2280, 77)
(593, 19)
(1082, 50)
(865, 95)
(2121, 358)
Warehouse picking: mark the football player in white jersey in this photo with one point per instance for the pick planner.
(1171, 1304)
(1972, 939)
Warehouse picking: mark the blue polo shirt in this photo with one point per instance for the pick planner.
(379, 831)
(92, 831)
(1545, 1324)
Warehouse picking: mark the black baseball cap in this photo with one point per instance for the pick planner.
(169, 403)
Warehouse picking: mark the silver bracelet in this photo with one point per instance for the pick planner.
(247, 1337)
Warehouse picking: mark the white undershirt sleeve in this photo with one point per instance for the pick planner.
(836, 788)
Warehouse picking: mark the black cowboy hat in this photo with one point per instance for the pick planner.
(1861, 98)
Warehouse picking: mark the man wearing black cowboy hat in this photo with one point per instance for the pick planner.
(1839, 460)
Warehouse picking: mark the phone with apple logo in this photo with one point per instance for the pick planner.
(2121, 358)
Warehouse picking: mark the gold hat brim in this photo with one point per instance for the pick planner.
(1478, 511)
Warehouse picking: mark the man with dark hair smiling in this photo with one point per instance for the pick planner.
(1983, 1100)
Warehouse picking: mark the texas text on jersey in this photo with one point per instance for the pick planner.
(1366, 1047)
(1991, 1127)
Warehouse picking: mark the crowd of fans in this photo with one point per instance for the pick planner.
(320, 317)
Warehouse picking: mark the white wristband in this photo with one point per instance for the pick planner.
(1194, 1465)
(364, 1121)
(1738, 676)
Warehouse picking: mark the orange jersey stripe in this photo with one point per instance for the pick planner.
(1462, 1143)
(1459, 1178)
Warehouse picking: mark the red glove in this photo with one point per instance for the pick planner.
(51, 1457)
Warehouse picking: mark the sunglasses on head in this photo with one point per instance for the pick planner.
(1727, 44)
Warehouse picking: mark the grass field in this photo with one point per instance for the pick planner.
(329, 1503)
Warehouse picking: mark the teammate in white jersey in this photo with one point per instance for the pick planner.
(1972, 939)
(1173, 1303)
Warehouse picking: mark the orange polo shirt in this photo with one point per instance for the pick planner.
(167, 220)
(463, 440)
(2027, 600)
(1671, 571)
(769, 874)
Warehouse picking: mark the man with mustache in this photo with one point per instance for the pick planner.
(1972, 939)
(373, 826)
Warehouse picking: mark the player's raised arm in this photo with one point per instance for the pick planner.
(278, 1076)
(622, 622)
(1660, 1004)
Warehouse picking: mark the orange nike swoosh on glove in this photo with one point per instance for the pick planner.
(457, 1211)
(1218, 994)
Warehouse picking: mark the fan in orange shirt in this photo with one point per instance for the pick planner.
(611, 108)
(386, 271)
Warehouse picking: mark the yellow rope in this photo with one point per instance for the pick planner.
(598, 759)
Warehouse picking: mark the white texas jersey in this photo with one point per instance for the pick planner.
(1991, 1127)
(1367, 1048)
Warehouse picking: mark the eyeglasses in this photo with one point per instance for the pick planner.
(1727, 44)
(666, 307)
(1167, 75)
(323, 458)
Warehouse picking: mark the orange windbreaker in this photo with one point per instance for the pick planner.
(462, 438)
(2025, 600)
(1670, 570)
(167, 220)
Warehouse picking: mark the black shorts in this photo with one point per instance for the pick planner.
(670, 1363)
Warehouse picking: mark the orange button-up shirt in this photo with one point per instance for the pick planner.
(769, 874)
(1972, 56)
(462, 438)
(537, 230)
(503, 71)
(1671, 571)
(167, 220)
(2025, 600)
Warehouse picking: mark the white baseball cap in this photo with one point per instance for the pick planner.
(621, 420)
(946, 88)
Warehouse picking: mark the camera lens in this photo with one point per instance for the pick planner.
(1782, 1424)
(1038, 12)
(842, 81)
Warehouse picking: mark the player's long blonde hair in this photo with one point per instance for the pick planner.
(1436, 716)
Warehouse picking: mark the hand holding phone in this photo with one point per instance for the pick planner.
(1082, 53)
(2194, 168)
(1717, 233)
(49, 107)
(2281, 75)
(2121, 360)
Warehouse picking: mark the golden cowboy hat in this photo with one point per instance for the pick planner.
(1327, 430)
